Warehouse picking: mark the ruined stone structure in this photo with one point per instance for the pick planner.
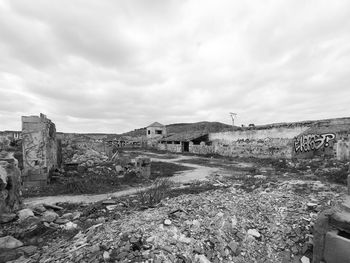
(40, 150)
(10, 183)
(156, 130)
(194, 142)
(143, 166)
(307, 139)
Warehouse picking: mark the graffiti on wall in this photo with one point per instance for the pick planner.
(312, 142)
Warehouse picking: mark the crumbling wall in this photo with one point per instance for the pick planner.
(40, 149)
(176, 148)
(10, 183)
(326, 140)
(343, 150)
(202, 149)
(262, 143)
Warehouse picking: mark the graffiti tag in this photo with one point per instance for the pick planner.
(312, 142)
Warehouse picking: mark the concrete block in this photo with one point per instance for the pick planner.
(346, 204)
(340, 220)
(337, 248)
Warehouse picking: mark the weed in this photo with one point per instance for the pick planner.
(155, 193)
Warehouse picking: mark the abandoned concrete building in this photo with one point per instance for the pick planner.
(40, 149)
(156, 130)
(184, 142)
(306, 139)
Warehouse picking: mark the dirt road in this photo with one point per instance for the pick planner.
(199, 172)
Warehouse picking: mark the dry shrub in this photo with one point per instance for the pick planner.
(155, 193)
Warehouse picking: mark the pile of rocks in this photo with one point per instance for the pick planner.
(89, 158)
(28, 225)
(10, 182)
(227, 225)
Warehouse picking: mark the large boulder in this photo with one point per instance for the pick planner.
(10, 183)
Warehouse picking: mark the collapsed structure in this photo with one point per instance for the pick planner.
(40, 150)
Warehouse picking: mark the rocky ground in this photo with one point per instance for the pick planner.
(267, 215)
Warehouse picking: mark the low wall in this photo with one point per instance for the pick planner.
(263, 143)
(325, 138)
(278, 148)
(176, 148)
(202, 149)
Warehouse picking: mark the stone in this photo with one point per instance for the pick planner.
(196, 223)
(119, 168)
(111, 207)
(24, 214)
(28, 250)
(49, 216)
(122, 255)
(9, 242)
(30, 222)
(76, 215)
(61, 221)
(70, 226)
(201, 259)
(255, 233)
(185, 239)
(109, 202)
(7, 217)
(305, 260)
(39, 209)
(95, 248)
(233, 245)
(311, 206)
(106, 256)
(167, 222)
(67, 216)
(54, 207)
(10, 256)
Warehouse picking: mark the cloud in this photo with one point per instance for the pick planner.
(107, 66)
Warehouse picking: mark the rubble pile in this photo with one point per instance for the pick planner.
(89, 158)
(227, 225)
(10, 183)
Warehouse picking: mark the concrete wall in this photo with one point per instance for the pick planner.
(324, 140)
(202, 149)
(177, 148)
(262, 143)
(343, 150)
(39, 149)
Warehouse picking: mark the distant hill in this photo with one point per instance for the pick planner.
(185, 127)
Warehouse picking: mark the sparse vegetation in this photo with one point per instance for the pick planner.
(155, 193)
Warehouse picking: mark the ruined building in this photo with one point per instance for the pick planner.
(156, 130)
(40, 150)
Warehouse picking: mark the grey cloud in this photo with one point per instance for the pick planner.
(109, 66)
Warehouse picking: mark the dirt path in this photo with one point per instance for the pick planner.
(199, 172)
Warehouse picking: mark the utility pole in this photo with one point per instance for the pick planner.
(233, 116)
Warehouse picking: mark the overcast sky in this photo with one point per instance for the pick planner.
(113, 66)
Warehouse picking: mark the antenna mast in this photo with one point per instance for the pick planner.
(233, 116)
